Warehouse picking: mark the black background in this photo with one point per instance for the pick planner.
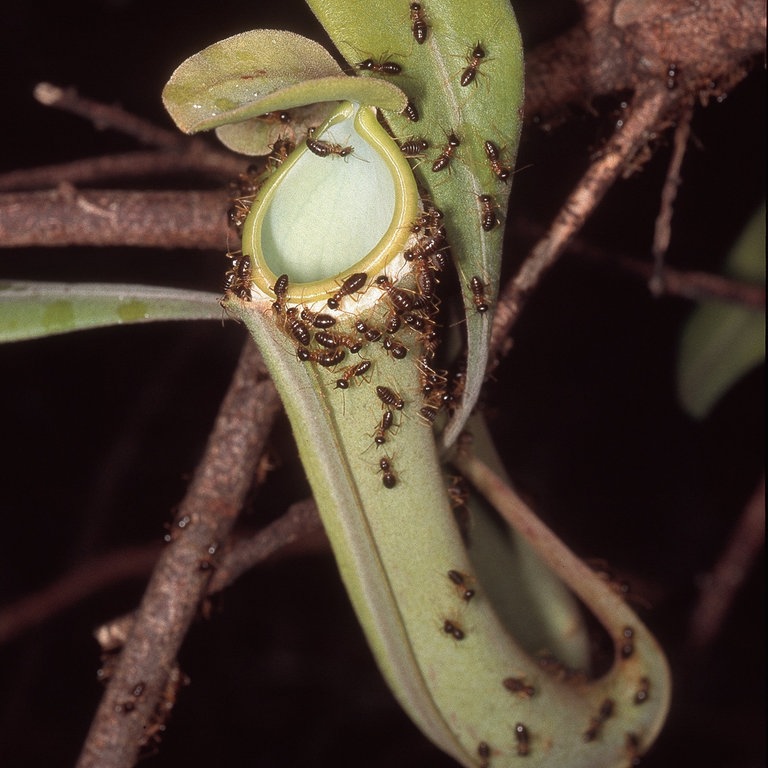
(101, 430)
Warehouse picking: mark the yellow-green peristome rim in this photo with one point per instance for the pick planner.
(320, 219)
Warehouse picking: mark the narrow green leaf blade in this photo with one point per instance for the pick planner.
(30, 310)
(722, 342)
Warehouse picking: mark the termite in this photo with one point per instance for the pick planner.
(328, 358)
(350, 285)
(460, 580)
(358, 369)
(444, 158)
(401, 300)
(387, 420)
(426, 280)
(523, 740)
(477, 287)
(380, 67)
(371, 334)
(297, 328)
(317, 320)
(414, 147)
(452, 628)
(395, 348)
(627, 647)
(419, 26)
(424, 247)
(389, 397)
(428, 220)
(415, 321)
(519, 686)
(327, 148)
(429, 413)
(502, 172)
(488, 216)
(474, 58)
(282, 147)
(238, 279)
(392, 322)
(332, 340)
(434, 401)
(411, 112)
(280, 288)
(238, 213)
(429, 379)
(388, 478)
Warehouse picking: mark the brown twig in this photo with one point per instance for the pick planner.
(698, 286)
(66, 216)
(624, 45)
(629, 50)
(646, 115)
(83, 581)
(105, 116)
(181, 577)
(189, 158)
(176, 153)
(300, 522)
(663, 228)
(720, 587)
(686, 284)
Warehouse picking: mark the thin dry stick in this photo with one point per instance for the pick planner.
(620, 45)
(105, 116)
(688, 284)
(84, 580)
(608, 605)
(662, 233)
(699, 286)
(223, 477)
(300, 521)
(647, 113)
(722, 584)
(89, 578)
(177, 153)
(130, 165)
(196, 220)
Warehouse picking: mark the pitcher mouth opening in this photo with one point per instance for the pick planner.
(341, 203)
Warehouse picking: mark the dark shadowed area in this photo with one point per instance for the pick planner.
(101, 430)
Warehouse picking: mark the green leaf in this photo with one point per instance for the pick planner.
(487, 109)
(722, 342)
(30, 310)
(263, 71)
